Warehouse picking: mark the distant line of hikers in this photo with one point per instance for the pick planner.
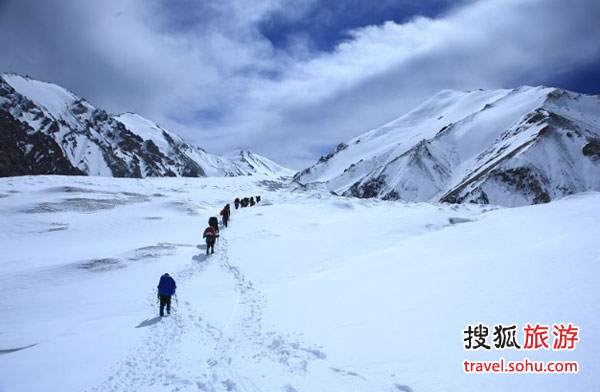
(211, 233)
(246, 202)
(167, 285)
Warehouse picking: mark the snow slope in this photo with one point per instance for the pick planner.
(172, 145)
(51, 97)
(509, 147)
(306, 291)
(251, 163)
(49, 130)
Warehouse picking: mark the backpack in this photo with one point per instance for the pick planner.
(209, 234)
(213, 222)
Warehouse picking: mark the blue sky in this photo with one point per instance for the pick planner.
(290, 79)
(583, 79)
(326, 22)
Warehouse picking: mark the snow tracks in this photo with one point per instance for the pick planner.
(187, 352)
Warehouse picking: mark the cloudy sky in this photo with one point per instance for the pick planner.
(292, 78)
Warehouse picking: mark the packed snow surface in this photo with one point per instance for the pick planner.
(306, 291)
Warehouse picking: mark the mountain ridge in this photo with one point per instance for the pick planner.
(90, 141)
(508, 147)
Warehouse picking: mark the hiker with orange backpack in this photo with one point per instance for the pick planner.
(225, 213)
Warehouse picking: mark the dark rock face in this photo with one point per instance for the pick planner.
(24, 151)
(299, 175)
(523, 180)
(592, 149)
(369, 189)
(392, 195)
(339, 147)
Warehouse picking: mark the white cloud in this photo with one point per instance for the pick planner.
(208, 73)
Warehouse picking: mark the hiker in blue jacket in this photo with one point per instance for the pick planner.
(166, 288)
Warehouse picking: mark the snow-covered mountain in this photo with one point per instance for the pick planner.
(249, 163)
(508, 147)
(46, 129)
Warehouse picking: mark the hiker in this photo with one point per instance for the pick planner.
(211, 236)
(252, 201)
(237, 203)
(225, 214)
(257, 199)
(166, 288)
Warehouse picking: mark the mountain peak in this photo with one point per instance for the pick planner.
(256, 163)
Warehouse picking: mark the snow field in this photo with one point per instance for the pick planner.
(306, 291)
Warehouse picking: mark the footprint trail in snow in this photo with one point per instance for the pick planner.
(185, 352)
